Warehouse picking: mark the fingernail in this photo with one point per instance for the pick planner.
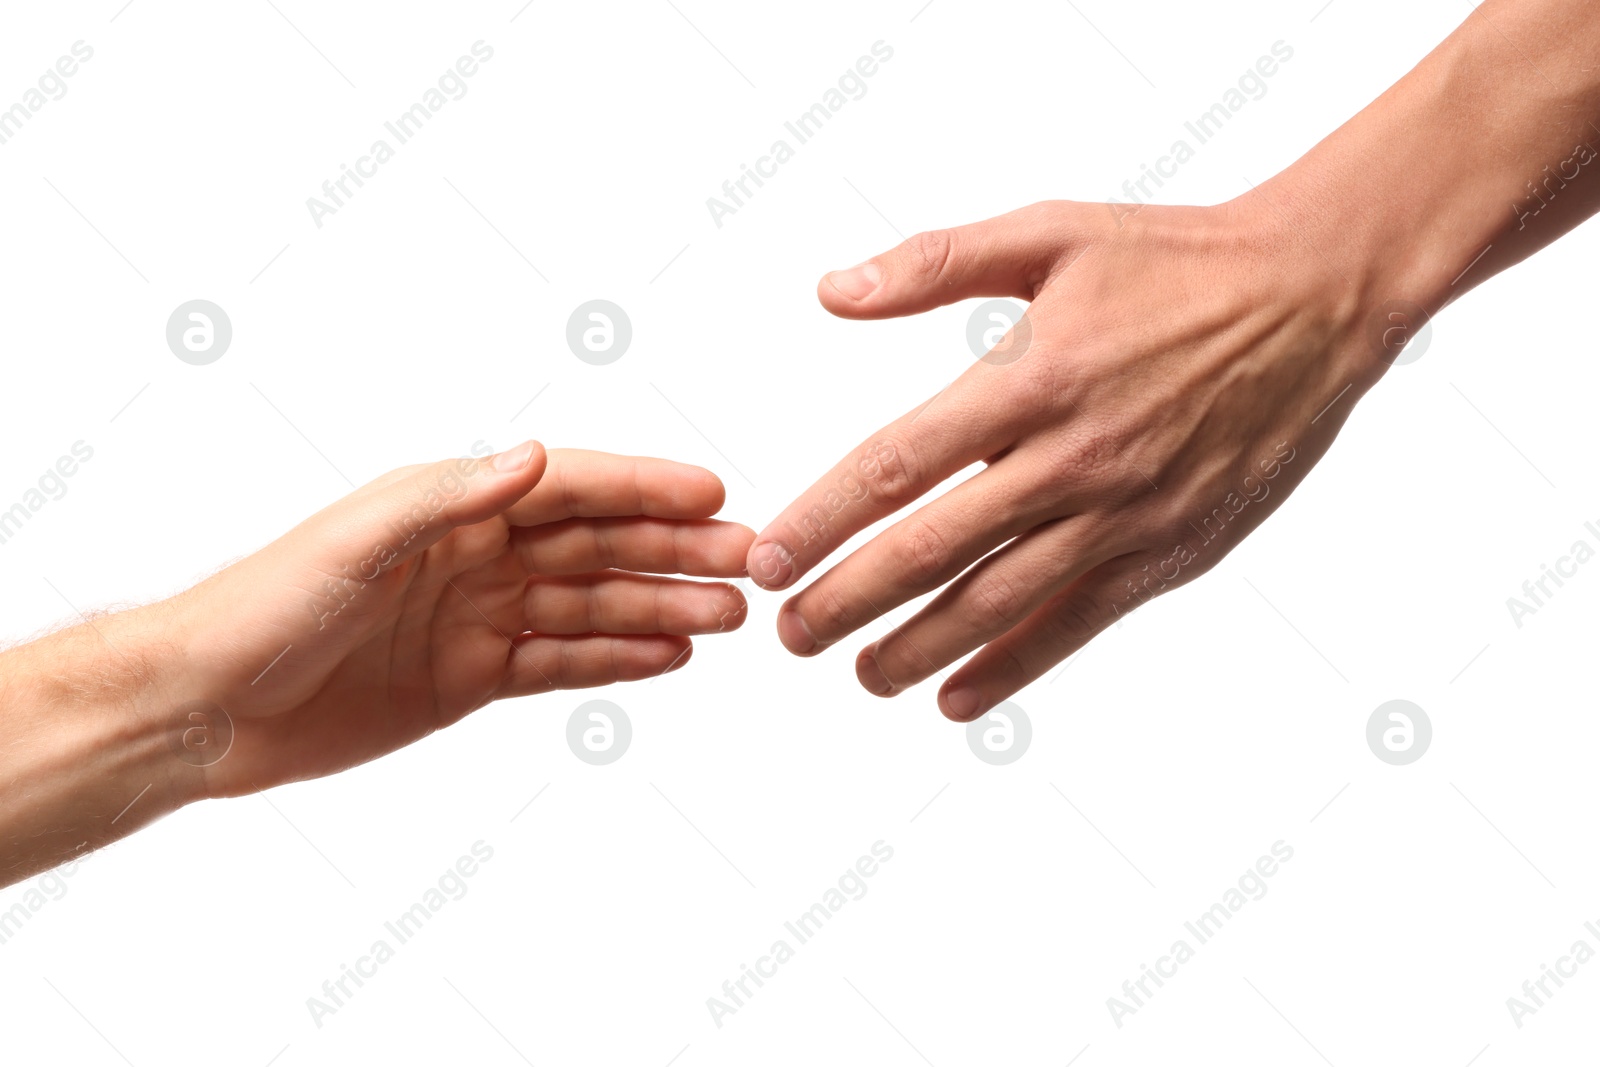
(963, 703)
(857, 282)
(794, 633)
(771, 565)
(871, 676)
(515, 459)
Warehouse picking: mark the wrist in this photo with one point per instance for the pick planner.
(1479, 157)
(90, 712)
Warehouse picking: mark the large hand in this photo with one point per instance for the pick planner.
(1164, 393)
(437, 589)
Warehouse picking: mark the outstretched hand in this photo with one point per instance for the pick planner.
(1177, 373)
(437, 589)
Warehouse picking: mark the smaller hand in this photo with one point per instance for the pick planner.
(437, 589)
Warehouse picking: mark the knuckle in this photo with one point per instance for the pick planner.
(900, 661)
(1090, 452)
(566, 667)
(926, 553)
(1098, 448)
(732, 609)
(1074, 621)
(1012, 667)
(996, 602)
(890, 470)
(829, 613)
(1034, 391)
(928, 254)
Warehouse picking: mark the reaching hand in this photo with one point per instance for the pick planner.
(437, 589)
(1178, 372)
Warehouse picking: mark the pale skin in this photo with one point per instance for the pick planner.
(392, 613)
(1178, 361)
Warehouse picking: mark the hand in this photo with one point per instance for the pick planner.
(437, 589)
(1178, 372)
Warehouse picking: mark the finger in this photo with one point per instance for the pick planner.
(616, 602)
(598, 484)
(1062, 626)
(984, 603)
(539, 664)
(918, 554)
(906, 459)
(1011, 255)
(399, 515)
(706, 548)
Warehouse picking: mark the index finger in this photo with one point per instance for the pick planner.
(885, 473)
(582, 484)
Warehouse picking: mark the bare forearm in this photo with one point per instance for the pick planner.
(1486, 152)
(86, 726)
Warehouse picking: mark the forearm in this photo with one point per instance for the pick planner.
(1484, 153)
(88, 725)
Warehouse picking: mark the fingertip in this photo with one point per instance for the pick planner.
(960, 701)
(795, 635)
(770, 564)
(697, 492)
(843, 292)
(528, 458)
(870, 675)
(714, 491)
(727, 551)
(684, 652)
(737, 611)
(651, 656)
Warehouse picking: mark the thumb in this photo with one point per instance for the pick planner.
(1011, 255)
(402, 514)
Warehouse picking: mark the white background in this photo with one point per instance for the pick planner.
(1166, 758)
